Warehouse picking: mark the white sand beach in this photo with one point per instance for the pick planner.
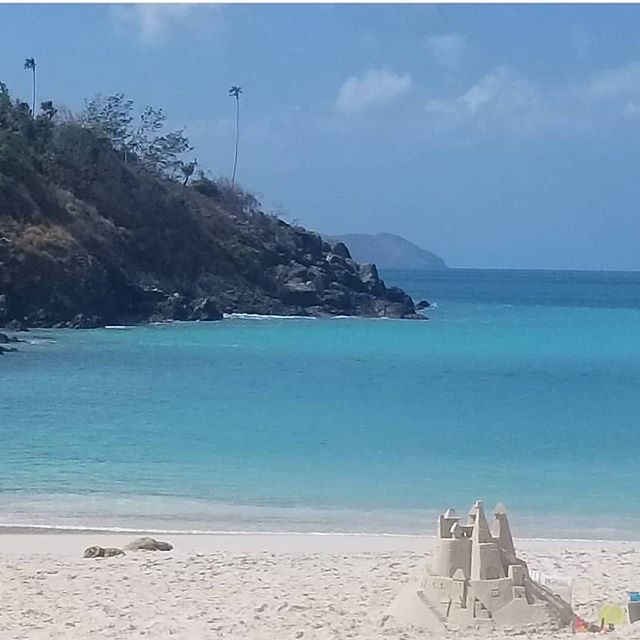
(261, 587)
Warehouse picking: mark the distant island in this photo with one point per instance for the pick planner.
(102, 222)
(389, 251)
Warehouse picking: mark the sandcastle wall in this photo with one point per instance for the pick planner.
(452, 554)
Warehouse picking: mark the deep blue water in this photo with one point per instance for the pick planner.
(523, 387)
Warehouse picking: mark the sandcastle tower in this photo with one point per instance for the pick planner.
(476, 578)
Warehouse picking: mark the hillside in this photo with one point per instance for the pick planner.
(90, 236)
(389, 251)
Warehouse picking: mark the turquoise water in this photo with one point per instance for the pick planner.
(523, 387)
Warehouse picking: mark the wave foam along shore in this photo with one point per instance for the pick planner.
(262, 587)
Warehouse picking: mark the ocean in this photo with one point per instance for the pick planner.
(523, 387)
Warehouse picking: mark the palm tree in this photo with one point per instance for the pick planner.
(187, 171)
(30, 63)
(235, 92)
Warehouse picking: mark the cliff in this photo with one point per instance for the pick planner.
(389, 251)
(88, 238)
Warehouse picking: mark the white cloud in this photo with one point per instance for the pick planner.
(447, 49)
(501, 93)
(375, 87)
(505, 102)
(616, 82)
(153, 21)
(501, 99)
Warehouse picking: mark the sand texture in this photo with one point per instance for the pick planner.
(261, 587)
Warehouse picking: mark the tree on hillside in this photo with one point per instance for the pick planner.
(235, 92)
(73, 147)
(159, 153)
(111, 119)
(24, 139)
(146, 143)
(187, 170)
(48, 110)
(30, 63)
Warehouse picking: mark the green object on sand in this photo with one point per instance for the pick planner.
(612, 614)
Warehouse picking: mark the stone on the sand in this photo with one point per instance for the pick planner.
(102, 552)
(148, 544)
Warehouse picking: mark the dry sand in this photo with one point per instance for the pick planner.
(271, 587)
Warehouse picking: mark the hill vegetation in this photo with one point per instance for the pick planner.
(102, 221)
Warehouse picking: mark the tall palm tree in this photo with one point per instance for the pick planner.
(30, 63)
(235, 92)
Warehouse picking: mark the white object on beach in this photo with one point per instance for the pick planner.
(560, 585)
(477, 579)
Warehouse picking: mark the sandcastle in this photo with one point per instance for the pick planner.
(477, 579)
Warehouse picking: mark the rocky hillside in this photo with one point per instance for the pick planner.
(87, 239)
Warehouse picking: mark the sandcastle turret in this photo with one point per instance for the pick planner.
(476, 578)
(453, 551)
(502, 531)
(486, 563)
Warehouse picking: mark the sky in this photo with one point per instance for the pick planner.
(497, 136)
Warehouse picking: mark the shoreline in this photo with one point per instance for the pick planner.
(280, 542)
(235, 315)
(257, 529)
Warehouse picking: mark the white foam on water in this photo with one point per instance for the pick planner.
(260, 316)
(44, 528)
(177, 515)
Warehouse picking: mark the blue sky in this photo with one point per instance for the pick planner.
(495, 135)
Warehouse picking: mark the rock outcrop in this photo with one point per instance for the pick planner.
(95, 232)
(89, 241)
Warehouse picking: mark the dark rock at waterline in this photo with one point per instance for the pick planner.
(423, 304)
(4, 350)
(81, 321)
(5, 339)
(179, 307)
(173, 307)
(17, 325)
(204, 309)
(397, 295)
